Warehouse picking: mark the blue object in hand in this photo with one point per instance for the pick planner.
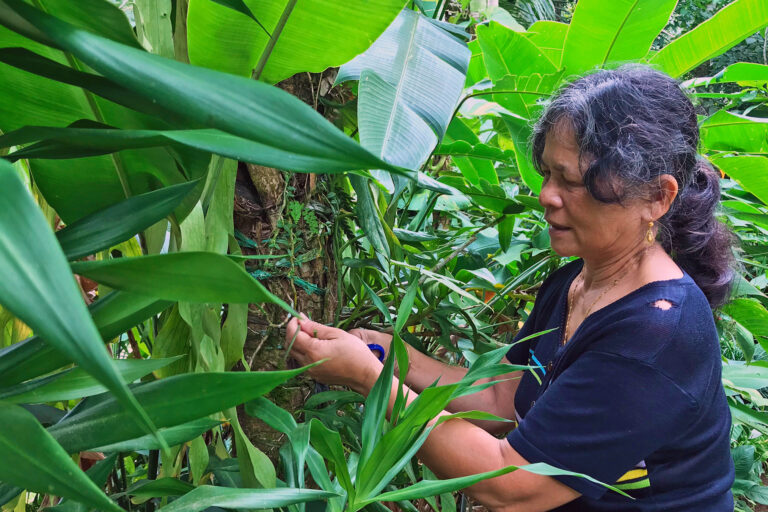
(374, 347)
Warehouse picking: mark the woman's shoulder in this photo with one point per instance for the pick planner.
(667, 325)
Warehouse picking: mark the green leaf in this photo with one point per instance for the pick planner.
(153, 26)
(506, 52)
(434, 487)
(173, 436)
(209, 496)
(75, 383)
(117, 223)
(369, 216)
(159, 488)
(410, 81)
(96, 16)
(506, 232)
(599, 35)
(168, 402)
(746, 74)
(274, 416)
(749, 313)
(520, 131)
(748, 171)
(112, 314)
(34, 461)
(549, 36)
(523, 95)
(713, 37)
(222, 39)
(745, 376)
(203, 277)
(474, 159)
(328, 443)
(725, 131)
(38, 288)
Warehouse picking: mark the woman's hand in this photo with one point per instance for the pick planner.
(348, 360)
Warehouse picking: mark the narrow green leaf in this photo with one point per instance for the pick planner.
(434, 487)
(158, 488)
(169, 402)
(75, 383)
(117, 223)
(112, 314)
(34, 461)
(274, 416)
(328, 444)
(38, 288)
(189, 277)
(173, 436)
(207, 496)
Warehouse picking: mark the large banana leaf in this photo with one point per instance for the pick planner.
(169, 402)
(410, 81)
(622, 32)
(38, 288)
(725, 131)
(113, 314)
(31, 459)
(748, 171)
(316, 35)
(238, 106)
(716, 35)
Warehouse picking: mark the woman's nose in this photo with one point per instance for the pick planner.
(549, 197)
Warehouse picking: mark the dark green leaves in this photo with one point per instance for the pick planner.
(33, 460)
(38, 288)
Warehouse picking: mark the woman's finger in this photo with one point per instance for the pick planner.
(318, 330)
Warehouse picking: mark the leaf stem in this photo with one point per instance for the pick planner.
(273, 39)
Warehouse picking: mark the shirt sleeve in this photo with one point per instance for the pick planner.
(601, 417)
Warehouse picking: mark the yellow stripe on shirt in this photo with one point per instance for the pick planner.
(631, 475)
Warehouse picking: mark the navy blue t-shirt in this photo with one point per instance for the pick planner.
(633, 399)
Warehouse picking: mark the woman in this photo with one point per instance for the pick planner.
(629, 388)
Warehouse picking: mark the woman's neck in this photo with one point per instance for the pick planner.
(599, 272)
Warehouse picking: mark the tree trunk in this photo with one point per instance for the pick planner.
(272, 210)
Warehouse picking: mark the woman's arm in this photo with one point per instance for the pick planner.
(423, 371)
(455, 448)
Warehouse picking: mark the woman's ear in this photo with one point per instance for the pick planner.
(664, 196)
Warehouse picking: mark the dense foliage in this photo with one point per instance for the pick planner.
(131, 145)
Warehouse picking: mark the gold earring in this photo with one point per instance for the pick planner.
(649, 237)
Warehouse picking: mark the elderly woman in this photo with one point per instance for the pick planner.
(628, 389)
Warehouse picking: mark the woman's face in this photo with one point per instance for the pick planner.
(580, 225)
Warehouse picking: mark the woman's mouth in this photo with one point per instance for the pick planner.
(554, 226)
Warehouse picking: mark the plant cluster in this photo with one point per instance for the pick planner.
(125, 293)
